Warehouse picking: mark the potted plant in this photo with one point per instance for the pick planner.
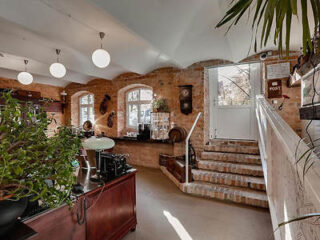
(31, 163)
(160, 105)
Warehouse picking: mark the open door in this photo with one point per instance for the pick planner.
(232, 100)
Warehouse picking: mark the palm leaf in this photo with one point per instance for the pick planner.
(275, 12)
(303, 217)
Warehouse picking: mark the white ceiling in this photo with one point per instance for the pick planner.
(141, 35)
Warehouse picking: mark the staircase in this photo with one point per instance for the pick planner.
(230, 170)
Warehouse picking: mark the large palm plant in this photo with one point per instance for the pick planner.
(278, 13)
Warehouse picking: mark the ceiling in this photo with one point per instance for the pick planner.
(141, 35)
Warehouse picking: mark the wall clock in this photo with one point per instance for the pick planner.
(185, 98)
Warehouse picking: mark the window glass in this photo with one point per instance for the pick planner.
(86, 108)
(145, 113)
(139, 106)
(145, 94)
(84, 100)
(133, 96)
(234, 86)
(133, 115)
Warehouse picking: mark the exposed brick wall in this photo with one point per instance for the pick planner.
(290, 111)
(143, 154)
(165, 82)
(47, 91)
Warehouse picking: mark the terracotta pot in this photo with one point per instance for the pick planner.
(9, 212)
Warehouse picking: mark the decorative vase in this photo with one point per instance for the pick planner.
(9, 211)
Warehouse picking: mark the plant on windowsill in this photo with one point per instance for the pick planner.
(31, 163)
(160, 105)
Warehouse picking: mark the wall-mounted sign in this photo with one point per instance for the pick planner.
(278, 70)
(274, 89)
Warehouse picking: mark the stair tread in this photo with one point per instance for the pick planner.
(232, 142)
(229, 167)
(239, 155)
(229, 164)
(232, 148)
(250, 193)
(258, 180)
(231, 157)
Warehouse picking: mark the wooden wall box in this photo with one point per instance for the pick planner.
(275, 88)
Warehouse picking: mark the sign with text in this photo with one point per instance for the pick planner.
(278, 70)
(274, 89)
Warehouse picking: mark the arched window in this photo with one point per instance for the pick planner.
(138, 103)
(86, 104)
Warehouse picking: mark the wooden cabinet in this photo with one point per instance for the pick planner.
(110, 214)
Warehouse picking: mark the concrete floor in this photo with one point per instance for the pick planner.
(165, 213)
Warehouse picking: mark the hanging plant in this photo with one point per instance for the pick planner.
(277, 13)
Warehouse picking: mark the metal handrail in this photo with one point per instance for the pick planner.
(187, 147)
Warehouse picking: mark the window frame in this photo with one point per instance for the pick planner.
(138, 103)
(89, 105)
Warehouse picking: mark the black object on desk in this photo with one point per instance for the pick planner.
(113, 165)
(20, 231)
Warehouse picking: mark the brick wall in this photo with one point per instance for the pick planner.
(165, 82)
(290, 111)
(47, 91)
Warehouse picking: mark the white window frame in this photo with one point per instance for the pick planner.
(91, 105)
(138, 103)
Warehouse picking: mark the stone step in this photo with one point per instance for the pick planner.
(225, 167)
(222, 192)
(236, 180)
(228, 142)
(232, 149)
(231, 157)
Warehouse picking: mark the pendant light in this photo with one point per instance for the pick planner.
(25, 77)
(100, 57)
(57, 69)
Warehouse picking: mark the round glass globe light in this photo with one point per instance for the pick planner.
(101, 58)
(58, 70)
(25, 78)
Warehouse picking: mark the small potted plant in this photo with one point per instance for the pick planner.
(160, 105)
(31, 163)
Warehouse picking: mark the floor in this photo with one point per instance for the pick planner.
(165, 213)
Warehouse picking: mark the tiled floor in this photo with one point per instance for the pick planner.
(165, 213)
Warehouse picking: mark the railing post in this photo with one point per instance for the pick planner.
(187, 147)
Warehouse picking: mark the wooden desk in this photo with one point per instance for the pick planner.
(110, 213)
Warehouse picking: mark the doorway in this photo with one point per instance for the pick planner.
(232, 90)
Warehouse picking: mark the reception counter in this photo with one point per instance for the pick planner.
(143, 152)
(102, 212)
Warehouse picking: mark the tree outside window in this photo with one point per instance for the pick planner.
(86, 103)
(138, 102)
